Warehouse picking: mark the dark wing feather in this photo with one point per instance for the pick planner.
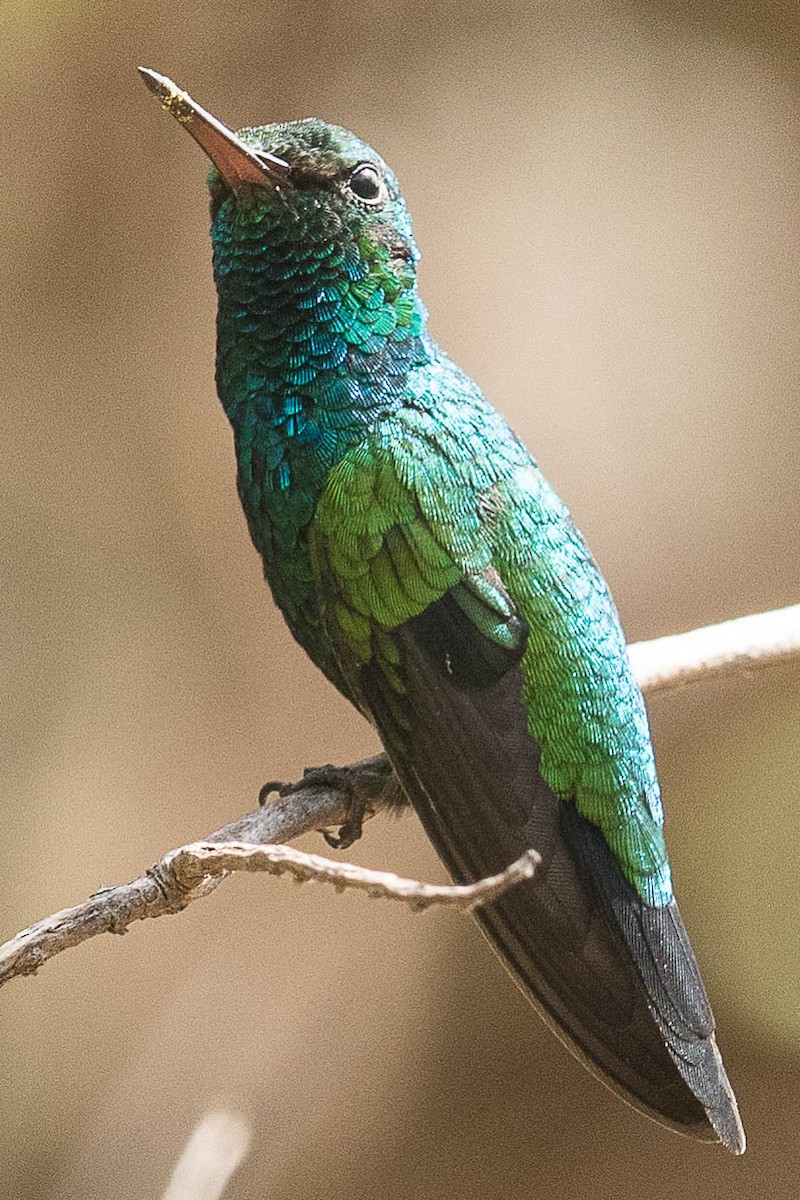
(615, 979)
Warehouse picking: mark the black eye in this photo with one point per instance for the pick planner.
(367, 183)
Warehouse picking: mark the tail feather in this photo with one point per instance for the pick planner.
(660, 948)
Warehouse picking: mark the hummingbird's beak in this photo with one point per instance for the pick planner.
(236, 162)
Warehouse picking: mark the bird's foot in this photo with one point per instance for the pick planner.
(356, 784)
(348, 782)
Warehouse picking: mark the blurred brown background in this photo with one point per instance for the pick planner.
(606, 195)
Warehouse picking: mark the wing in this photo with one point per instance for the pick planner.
(436, 651)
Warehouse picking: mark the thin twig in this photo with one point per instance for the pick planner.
(192, 871)
(193, 865)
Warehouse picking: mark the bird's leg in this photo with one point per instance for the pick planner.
(364, 786)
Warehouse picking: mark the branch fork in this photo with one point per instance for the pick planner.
(322, 800)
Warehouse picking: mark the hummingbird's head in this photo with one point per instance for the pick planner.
(305, 214)
(329, 189)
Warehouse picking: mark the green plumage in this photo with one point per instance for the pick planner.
(426, 565)
(418, 507)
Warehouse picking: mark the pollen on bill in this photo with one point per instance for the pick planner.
(172, 98)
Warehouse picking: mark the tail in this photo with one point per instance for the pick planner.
(615, 979)
(659, 946)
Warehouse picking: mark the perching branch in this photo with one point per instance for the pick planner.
(251, 843)
(161, 891)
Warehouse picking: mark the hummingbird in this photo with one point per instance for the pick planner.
(423, 561)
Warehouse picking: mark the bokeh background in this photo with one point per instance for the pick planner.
(606, 195)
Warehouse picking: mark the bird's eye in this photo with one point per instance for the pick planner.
(366, 182)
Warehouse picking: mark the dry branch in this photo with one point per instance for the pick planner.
(197, 865)
(250, 843)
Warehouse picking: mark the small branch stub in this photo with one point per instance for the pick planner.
(217, 1146)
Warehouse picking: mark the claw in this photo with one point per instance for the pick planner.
(352, 828)
(266, 790)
